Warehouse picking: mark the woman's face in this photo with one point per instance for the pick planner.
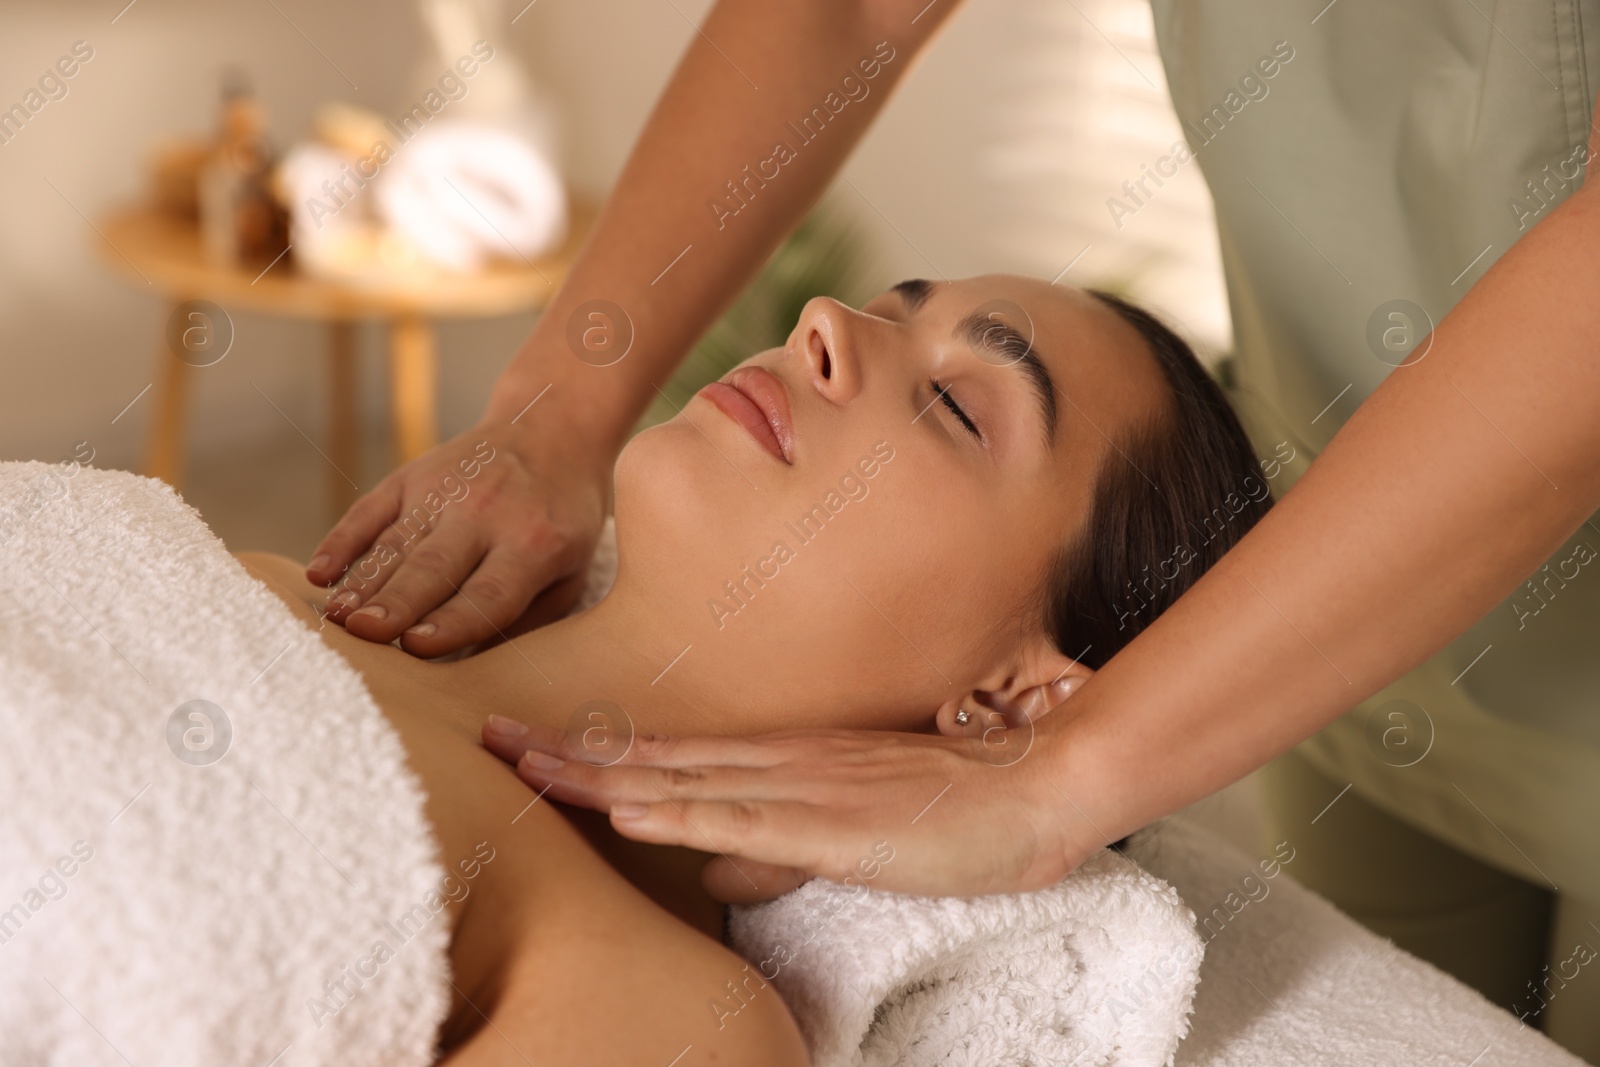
(862, 522)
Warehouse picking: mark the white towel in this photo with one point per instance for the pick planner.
(1289, 980)
(1097, 970)
(465, 193)
(157, 911)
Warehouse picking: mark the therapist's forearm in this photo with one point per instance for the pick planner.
(659, 251)
(1448, 487)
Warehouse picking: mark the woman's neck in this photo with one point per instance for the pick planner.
(604, 676)
(617, 653)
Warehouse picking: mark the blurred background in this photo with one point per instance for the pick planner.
(988, 159)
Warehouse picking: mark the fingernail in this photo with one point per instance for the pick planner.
(374, 611)
(424, 629)
(629, 811)
(319, 562)
(500, 724)
(541, 762)
(344, 600)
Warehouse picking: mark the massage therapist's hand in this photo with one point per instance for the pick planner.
(453, 547)
(961, 819)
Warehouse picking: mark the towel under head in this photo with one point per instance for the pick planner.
(202, 890)
(1097, 971)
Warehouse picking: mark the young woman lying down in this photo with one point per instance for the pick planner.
(907, 518)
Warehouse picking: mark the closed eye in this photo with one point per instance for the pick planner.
(955, 409)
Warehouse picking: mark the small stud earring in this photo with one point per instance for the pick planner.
(962, 717)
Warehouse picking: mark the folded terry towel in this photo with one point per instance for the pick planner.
(161, 907)
(1097, 970)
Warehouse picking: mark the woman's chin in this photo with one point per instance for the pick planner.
(652, 476)
(675, 512)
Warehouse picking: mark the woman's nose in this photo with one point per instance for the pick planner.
(826, 346)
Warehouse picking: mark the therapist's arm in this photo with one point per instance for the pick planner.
(1455, 479)
(531, 514)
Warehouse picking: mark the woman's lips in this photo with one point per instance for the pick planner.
(755, 399)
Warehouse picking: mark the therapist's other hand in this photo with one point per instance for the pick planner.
(453, 548)
(785, 807)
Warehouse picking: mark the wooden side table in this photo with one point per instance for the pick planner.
(144, 244)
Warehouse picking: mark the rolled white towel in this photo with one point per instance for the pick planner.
(463, 193)
(1097, 971)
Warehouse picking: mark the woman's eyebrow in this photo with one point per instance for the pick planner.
(997, 341)
(914, 292)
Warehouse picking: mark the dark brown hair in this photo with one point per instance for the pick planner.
(1170, 498)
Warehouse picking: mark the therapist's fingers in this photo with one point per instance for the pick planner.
(770, 769)
(475, 529)
(494, 600)
(355, 532)
(367, 575)
(434, 566)
(603, 788)
(913, 813)
(767, 834)
(510, 739)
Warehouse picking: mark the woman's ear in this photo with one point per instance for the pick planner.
(1047, 681)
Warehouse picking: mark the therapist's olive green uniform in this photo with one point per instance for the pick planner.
(1370, 160)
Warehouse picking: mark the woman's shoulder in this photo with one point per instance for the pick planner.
(287, 579)
(636, 985)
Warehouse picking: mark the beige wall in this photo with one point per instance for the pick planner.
(946, 181)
